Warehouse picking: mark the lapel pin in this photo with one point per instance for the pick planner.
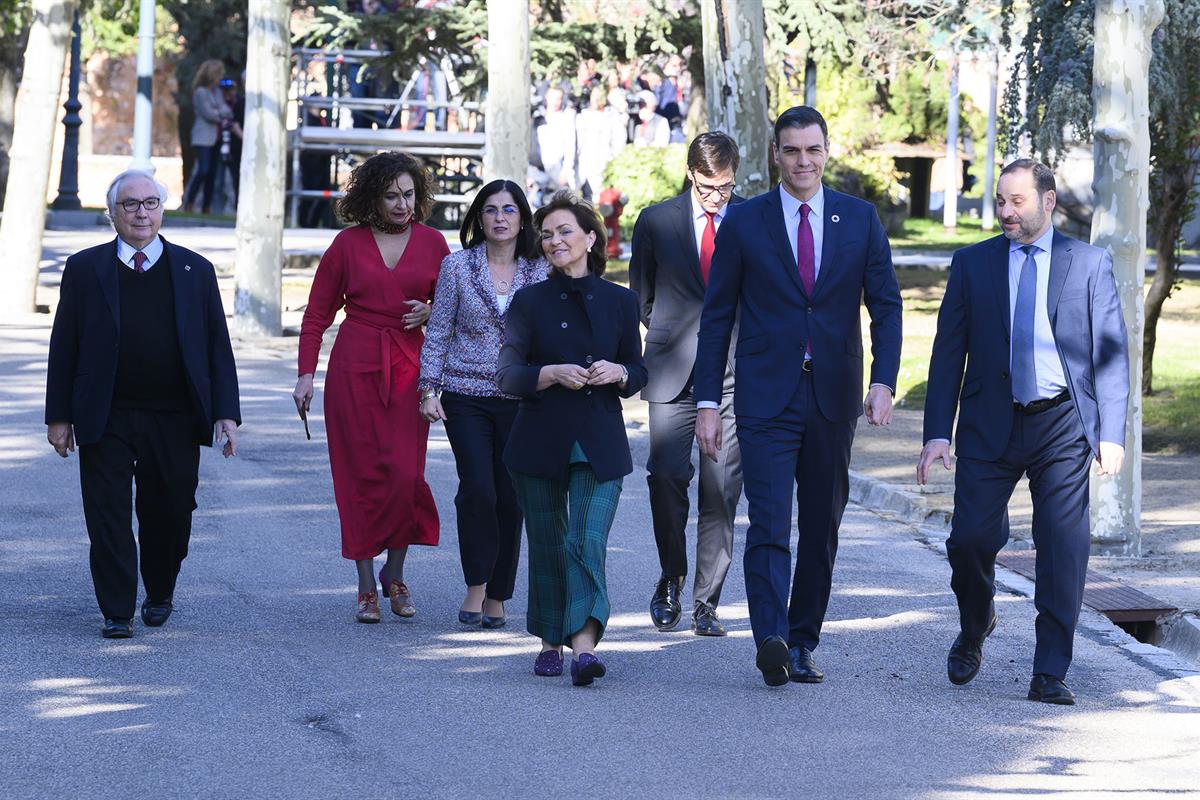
(187, 267)
(835, 218)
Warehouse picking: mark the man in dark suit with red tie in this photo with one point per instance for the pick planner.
(673, 244)
(140, 373)
(794, 266)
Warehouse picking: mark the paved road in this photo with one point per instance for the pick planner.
(262, 684)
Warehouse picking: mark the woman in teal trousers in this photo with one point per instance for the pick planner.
(572, 351)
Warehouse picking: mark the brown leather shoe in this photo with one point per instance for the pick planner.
(368, 607)
(401, 597)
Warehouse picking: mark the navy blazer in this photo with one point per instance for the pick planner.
(84, 343)
(664, 269)
(754, 271)
(974, 328)
(565, 320)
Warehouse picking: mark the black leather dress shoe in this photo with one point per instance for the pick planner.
(966, 655)
(665, 608)
(156, 613)
(117, 628)
(772, 661)
(801, 666)
(705, 621)
(1049, 689)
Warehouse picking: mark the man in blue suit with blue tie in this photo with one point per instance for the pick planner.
(1031, 350)
(794, 266)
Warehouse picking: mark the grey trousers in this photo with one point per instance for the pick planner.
(671, 469)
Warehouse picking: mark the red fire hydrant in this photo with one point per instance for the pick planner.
(612, 203)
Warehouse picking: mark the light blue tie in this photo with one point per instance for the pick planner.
(1024, 371)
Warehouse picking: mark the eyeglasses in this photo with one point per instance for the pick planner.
(131, 205)
(708, 190)
(493, 211)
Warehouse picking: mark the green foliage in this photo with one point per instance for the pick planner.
(647, 175)
(917, 104)
(112, 26)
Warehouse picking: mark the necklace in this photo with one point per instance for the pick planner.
(502, 284)
(389, 227)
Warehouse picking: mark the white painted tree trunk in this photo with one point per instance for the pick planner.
(989, 167)
(506, 152)
(143, 108)
(953, 166)
(259, 271)
(735, 81)
(29, 169)
(1121, 187)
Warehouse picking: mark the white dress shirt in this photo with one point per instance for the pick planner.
(1050, 378)
(153, 252)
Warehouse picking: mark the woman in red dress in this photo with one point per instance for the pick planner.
(382, 271)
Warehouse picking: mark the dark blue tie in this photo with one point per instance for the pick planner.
(1024, 371)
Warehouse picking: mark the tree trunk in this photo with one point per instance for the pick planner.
(143, 108)
(1121, 186)
(735, 82)
(259, 276)
(1169, 219)
(953, 166)
(989, 166)
(32, 149)
(810, 83)
(10, 67)
(508, 124)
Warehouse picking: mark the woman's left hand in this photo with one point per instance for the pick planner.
(418, 316)
(603, 372)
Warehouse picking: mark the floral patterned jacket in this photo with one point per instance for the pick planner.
(466, 329)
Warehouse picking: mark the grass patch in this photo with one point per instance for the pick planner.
(931, 234)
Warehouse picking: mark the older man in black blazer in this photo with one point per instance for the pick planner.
(673, 244)
(140, 371)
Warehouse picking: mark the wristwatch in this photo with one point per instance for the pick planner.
(624, 375)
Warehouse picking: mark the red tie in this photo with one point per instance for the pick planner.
(806, 255)
(708, 243)
(139, 262)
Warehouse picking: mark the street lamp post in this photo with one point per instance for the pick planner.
(143, 109)
(68, 179)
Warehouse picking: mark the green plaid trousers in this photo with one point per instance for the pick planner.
(567, 521)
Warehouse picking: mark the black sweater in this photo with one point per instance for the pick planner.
(150, 374)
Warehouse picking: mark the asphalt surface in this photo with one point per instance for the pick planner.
(262, 684)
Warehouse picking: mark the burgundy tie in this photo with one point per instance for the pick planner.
(139, 262)
(806, 254)
(708, 243)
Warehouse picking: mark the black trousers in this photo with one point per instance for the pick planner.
(156, 452)
(1050, 447)
(489, 517)
(798, 453)
(670, 470)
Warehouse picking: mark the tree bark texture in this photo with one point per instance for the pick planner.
(1176, 181)
(735, 82)
(259, 271)
(32, 148)
(508, 126)
(10, 67)
(1121, 187)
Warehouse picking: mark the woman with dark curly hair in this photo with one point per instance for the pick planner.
(572, 350)
(382, 271)
(458, 360)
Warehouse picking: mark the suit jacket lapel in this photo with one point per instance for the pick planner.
(775, 227)
(181, 284)
(686, 230)
(999, 270)
(106, 274)
(1060, 265)
(830, 233)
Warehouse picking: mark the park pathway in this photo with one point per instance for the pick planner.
(261, 684)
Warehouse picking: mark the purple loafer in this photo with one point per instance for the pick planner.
(549, 664)
(586, 669)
